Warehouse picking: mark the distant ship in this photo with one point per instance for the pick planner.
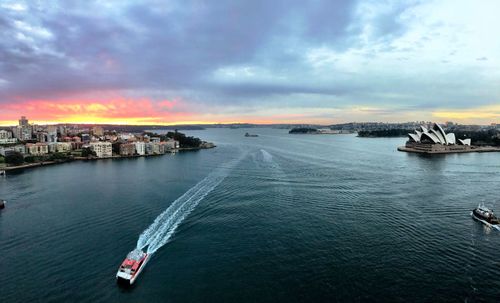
(132, 266)
(485, 216)
(250, 135)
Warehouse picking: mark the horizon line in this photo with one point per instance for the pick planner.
(44, 123)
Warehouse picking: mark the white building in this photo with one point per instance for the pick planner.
(102, 149)
(171, 144)
(63, 147)
(5, 134)
(435, 140)
(23, 133)
(435, 135)
(8, 141)
(37, 148)
(140, 148)
(24, 130)
(60, 147)
(52, 133)
(6, 137)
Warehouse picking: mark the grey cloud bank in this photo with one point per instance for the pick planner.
(336, 54)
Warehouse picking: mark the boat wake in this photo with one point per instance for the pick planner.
(281, 183)
(267, 157)
(160, 231)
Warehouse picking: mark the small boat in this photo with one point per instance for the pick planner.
(250, 135)
(485, 216)
(2, 204)
(132, 266)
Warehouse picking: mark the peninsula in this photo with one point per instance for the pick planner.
(30, 145)
(432, 139)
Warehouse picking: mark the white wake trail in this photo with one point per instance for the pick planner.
(267, 156)
(160, 231)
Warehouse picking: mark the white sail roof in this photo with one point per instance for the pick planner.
(436, 135)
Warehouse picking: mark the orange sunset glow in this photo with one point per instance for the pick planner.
(114, 111)
(132, 112)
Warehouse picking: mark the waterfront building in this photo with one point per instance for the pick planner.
(102, 149)
(140, 148)
(152, 148)
(171, 144)
(149, 148)
(435, 139)
(161, 148)
(52, 147)
(155, 139)
(155, 148)
(76, 145)
(7, 150)
(37, 149)
(63, 147)
(127, 149)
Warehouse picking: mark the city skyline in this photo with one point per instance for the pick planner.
(323, 62)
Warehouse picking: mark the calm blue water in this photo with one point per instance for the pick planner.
(280, 218)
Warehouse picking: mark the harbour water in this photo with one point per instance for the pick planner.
(277, 218)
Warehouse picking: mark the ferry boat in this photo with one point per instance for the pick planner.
(485, 216)
(132, 266)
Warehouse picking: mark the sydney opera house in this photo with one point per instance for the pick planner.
(435, 139)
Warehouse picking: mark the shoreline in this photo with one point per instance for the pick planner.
(478, 149)
(46, 163)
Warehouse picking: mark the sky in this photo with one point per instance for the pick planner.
(255, 61)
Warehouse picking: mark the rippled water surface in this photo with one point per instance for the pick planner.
(284, 218)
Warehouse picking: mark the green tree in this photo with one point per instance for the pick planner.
(58, 156)
(184, 141)
(30, 159)
(15, 158)
(87, 152)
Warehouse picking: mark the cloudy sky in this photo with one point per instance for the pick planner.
(148, 62)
